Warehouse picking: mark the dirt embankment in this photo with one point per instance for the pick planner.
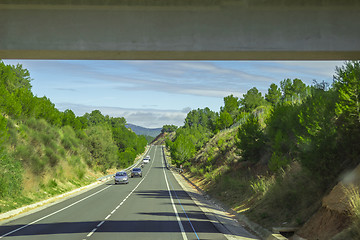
(334, 216)
(161, 138)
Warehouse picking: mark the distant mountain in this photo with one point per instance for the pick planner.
(153, 132)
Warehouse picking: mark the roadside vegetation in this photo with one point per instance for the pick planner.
(274, 157)
(45, 152)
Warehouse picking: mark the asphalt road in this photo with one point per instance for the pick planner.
(151, 207)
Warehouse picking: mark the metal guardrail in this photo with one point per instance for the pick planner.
(137, 163)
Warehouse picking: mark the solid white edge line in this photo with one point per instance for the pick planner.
(175, 211)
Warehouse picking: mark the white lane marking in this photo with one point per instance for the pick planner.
(175, 211)
(100, 224)
(92, 232)
(197, 236)
(113, 211)
(18, 229)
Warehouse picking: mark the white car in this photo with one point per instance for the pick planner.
(146, 159)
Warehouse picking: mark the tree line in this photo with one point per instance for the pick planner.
(35, 134)
(317, 125)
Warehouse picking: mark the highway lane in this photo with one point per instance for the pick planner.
(151, 207)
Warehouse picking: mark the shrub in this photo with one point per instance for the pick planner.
(278, 162)
(52, 156)
(69, 139)
(23, 152)
(80, 172)
(194, 170)
(37, 164)
(10, 176)
(37, 124)
(262, 184)
(74, 160)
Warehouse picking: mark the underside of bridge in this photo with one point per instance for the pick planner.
(180, 29)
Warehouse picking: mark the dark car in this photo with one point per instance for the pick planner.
(136, 172)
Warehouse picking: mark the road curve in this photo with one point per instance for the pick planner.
(152, 207)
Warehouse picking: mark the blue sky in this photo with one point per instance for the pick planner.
(154, 93)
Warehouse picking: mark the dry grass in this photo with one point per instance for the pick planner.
(353, 195)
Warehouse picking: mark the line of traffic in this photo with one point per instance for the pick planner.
(121, 203)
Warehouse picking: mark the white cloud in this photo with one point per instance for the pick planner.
(149, 118)
(211, 93)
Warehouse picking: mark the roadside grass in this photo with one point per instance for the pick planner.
(233, 189)
(41, 161)
(46, 187)
(287, 198)
(353, 197)
(292, 199)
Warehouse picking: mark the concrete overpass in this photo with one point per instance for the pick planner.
(180, 29)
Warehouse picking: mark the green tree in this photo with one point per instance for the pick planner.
(3, 130)
(183, 148)
(224, 121)
(251, 139)
(70, 119)
(251, 100)
(274, 94)
(117, 122)
(282, 131)
(231, 105)
(200, 117)
(95, 118)
(347, 84)
(347, 109)
(9, 103)
(293, 91)
(104, 153)
(14, 77)
(318, 143)
(168, 128)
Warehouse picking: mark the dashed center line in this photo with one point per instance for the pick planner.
(92, 232)
(100, 224)
(118, 206)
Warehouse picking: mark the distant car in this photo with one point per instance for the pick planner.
(121, 177)
(136, 172)
(146, 160)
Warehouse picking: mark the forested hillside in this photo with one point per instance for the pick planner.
(274, 157)
(44, 151)
(151, 132)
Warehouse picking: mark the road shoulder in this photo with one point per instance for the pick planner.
(222, 220)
